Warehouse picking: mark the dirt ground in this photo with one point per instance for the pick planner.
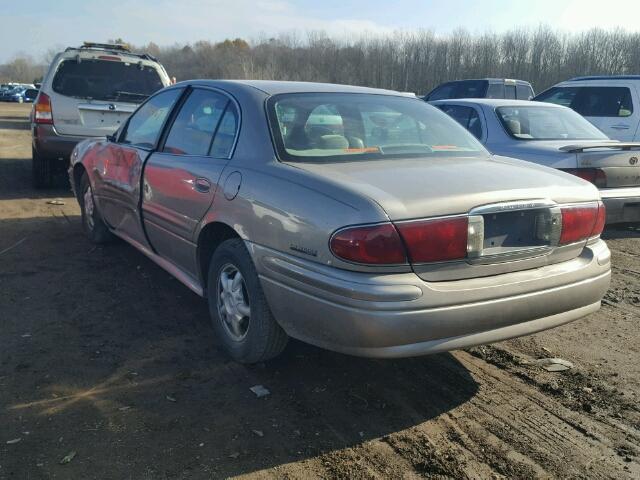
(109, 369)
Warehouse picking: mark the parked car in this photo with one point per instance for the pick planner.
(557, 137)
(360, 220)
(88, 91)
(611, 103)
(19, 95)
(482, 88)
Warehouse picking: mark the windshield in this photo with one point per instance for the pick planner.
(345, 127)
(106, 80)
(547, 123)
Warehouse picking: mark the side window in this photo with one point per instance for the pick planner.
(226, 134)
(145, 125)
(465, 116)
(559, 95)
(495, 90)
(195, 124)
(603, 102)
(442, 93)
(510, 92)
(524, 92)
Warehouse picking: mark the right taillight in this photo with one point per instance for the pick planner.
(580, 222)
(42, 110)
(594, 175)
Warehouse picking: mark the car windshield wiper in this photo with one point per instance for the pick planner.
(120, 93)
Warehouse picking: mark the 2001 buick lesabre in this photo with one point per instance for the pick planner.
(360, 220)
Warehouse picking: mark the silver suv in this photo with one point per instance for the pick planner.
(88, 91)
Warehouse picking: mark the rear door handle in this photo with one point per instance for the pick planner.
(202, 185)
(620, 127)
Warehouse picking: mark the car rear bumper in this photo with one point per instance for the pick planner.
(622, 204)
(49, 143)
(399, 315)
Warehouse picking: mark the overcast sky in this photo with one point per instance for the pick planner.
(38, 25)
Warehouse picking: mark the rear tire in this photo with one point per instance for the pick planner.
(239, 311)
(92, 222)
(41, 170)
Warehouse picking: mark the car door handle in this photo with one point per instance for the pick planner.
(620, 127)
(202, 185)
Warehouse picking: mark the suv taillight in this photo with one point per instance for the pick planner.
(594, 175)
(42, 110)
(580, 222)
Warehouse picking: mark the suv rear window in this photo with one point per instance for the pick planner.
(106, 80)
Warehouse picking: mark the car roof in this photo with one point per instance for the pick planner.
(495, 102)
(604, 77)
(276, 87)
(488, 79)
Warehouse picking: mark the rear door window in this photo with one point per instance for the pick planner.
(466, 116)
(226, 133)
(495, 90)
(603, 102)
(193, 129)
(524, 92)
(510, 92)
(592, 101)
(145, 125)
(107, 80)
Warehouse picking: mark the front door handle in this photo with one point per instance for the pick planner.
(620, 127)
(202, 185)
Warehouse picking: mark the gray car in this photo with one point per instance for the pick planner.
(356, 219)
(557, 137)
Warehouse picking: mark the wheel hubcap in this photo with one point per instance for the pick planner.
(88, 208)
(233, 302)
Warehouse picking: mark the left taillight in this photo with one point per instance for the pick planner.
(435, 240)
(42, 110)
(370, 244)
(580, 222)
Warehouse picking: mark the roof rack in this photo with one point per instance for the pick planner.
(112, 48)
(107, 46)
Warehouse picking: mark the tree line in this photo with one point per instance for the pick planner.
(406, 61)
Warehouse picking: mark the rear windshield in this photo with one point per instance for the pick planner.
(347, 127)
(547, 123)
(106, 80)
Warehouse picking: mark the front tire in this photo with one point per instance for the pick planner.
(92, 222)
(239, 311)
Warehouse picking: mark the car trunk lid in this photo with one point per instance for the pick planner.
(514, 204)
(620, 162)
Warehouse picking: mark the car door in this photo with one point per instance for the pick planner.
(117, 168)
(614, 109)
(181, 178)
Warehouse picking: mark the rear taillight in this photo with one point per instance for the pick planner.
(594, 175)
(42, 110)
(435, 240)
(600, 220)
(372, 244)
(580, 222)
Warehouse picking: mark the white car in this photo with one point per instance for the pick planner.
(611, 103)
(558, 137)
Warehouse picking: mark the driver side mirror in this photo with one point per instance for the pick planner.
(111, 138)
